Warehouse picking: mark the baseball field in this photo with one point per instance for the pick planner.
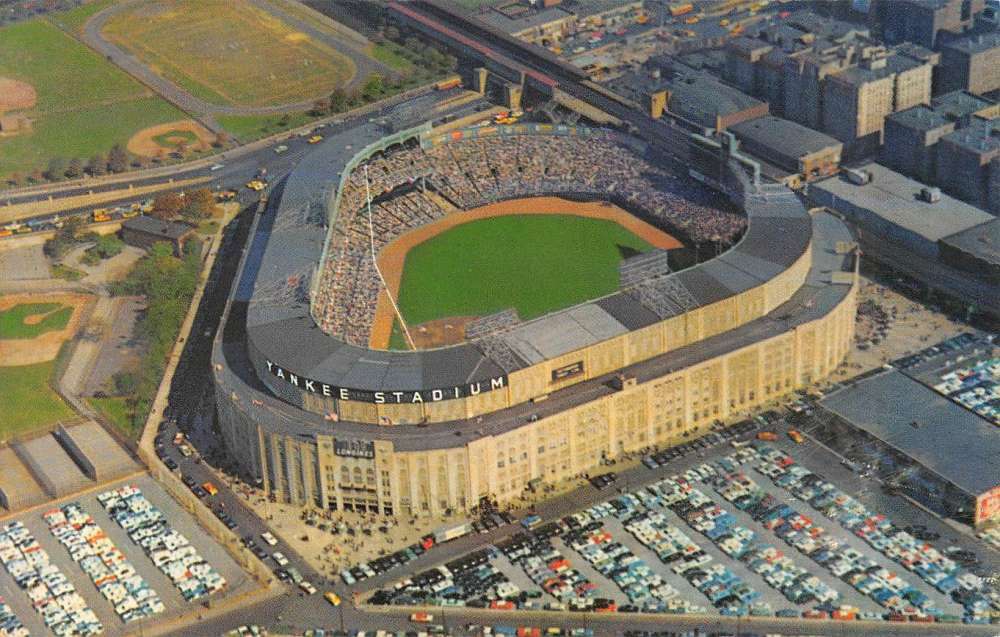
(76, 102)
(535, 256)
(229, 53)
(33, 330)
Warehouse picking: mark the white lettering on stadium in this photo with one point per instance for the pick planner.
(383, 397)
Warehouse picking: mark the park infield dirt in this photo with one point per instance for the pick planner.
(44, 347)
(16, 95)
(144, 144)
(451, 330)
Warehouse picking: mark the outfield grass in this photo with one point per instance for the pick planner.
(535, 264)
(12, 323)
(167, 140)
(85, 103)
(229, 53)
(27, 401)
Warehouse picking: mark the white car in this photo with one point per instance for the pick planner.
(269, 539)
(308, 588)
(280, 558)
(215, 167)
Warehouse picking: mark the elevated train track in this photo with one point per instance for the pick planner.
(540, 69)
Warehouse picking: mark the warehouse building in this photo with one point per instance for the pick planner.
(975, 250)
(896, 208)
(915, 436)
(790, 147)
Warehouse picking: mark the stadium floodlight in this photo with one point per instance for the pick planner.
(371, 237)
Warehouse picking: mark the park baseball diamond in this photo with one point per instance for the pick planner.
(321, 418)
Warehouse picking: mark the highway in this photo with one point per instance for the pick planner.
(234, 167)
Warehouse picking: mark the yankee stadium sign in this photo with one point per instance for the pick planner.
(408, 397)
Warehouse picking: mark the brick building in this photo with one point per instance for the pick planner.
(971, 64)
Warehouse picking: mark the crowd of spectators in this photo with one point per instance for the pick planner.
(411, 186)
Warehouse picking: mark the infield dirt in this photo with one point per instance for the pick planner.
(145, 142)
(16, 95)
(392, 258)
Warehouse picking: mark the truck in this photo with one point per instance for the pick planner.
(451, 82)
(448, 533)
(100, 215)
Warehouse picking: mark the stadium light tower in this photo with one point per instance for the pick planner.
(371, 237)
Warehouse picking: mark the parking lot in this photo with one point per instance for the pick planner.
(146, 593)
(764, 529)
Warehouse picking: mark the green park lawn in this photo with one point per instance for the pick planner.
(116, 410)
(85, 103)
(535, 264)
(27, 401)
(247, 128)
(13, 325)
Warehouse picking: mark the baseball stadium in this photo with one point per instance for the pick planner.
(425, 321)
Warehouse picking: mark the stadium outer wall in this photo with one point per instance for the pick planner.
(679, 376)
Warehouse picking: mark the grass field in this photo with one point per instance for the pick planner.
(117, 411)
(535, 264)
(45, 317)
(74, 19)
(27, 401)
(228, 52)
(250, 127)
(175, 138)
(85, 103)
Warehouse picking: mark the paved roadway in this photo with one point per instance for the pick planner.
(241, 164)
(92, 36)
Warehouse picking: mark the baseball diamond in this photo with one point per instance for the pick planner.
(533, 390)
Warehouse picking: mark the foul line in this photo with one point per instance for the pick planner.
(385, 286)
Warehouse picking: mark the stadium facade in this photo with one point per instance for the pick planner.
(324, 422)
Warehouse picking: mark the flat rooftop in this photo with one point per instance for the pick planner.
(947, 439)
(959, 104)
(982, 241)
(896, 199)
(922, 118)
(785, 137)
(975, 43)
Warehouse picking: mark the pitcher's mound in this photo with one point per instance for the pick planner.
(16, 95)
(165, 138)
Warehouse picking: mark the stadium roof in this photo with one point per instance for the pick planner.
(287, 248)
(950, 440)
(812, 301)
(896, 199)
(982, 241)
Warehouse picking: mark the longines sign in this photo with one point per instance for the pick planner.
(387, 397)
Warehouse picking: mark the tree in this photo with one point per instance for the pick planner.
(391, 33)
(117, 159)
(199, 204)
(125, 383)
(167, 206)
(97, 165)
(56, 169)
(338, 101)
(107, 246)
(320, 107)
(373, 88)
(221, 139)
(65, 238)
(75, 168)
